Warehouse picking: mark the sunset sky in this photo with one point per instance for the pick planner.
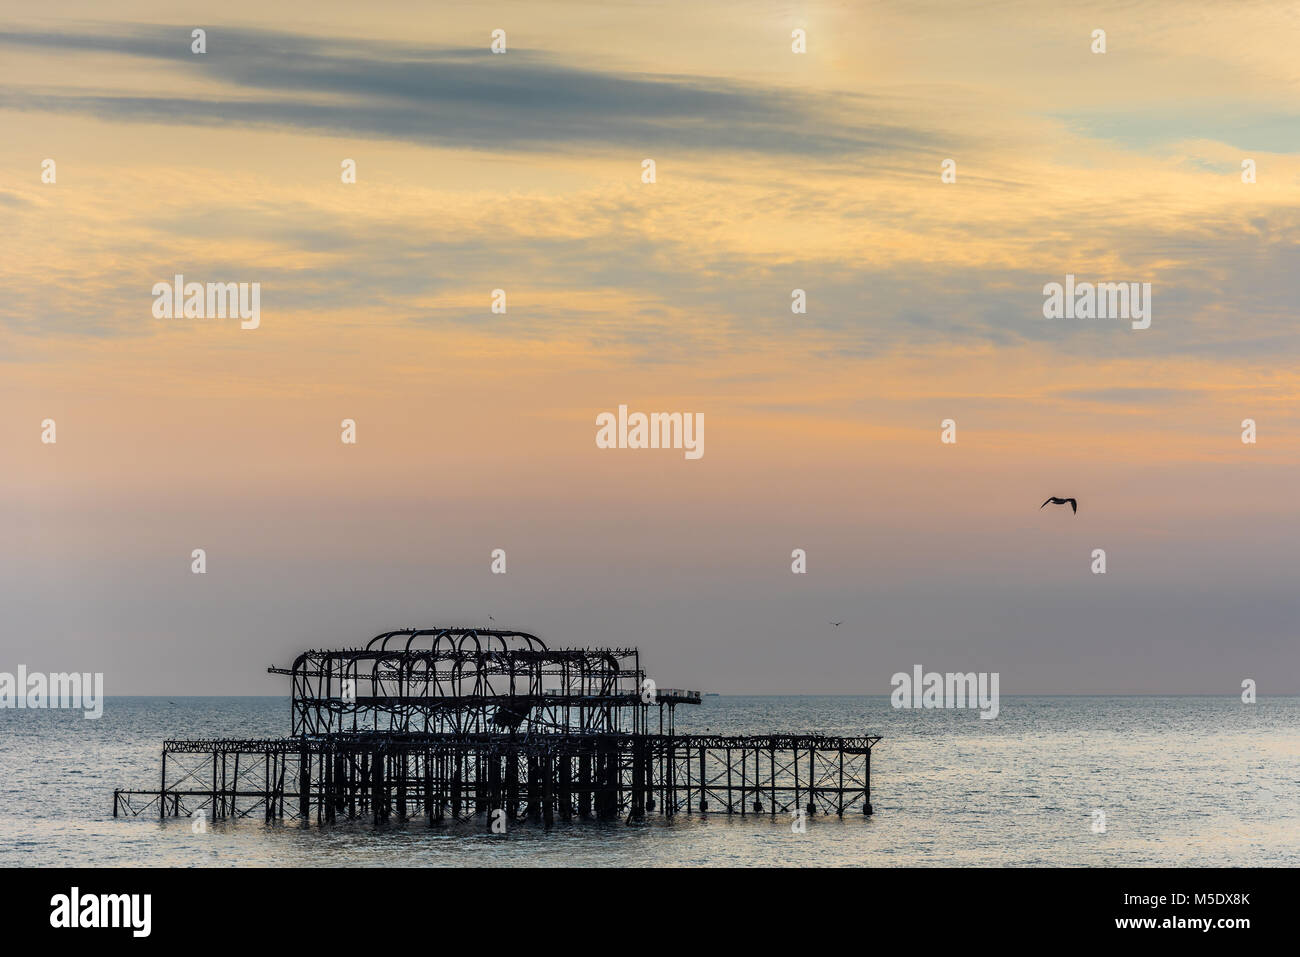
(774, 171)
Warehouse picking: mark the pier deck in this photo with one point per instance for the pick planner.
(441, 778)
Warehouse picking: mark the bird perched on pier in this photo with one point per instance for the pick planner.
(1073, 503)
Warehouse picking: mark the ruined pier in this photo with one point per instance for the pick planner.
(453, 724)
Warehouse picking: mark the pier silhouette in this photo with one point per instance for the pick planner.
(450, 724)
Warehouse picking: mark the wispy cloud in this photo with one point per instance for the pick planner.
(459, 97)
(1129, 395)
(1242, 125)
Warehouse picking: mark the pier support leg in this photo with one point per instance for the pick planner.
(704, 799)
(402, 769)
(584, 786)
(304, 787)
(566, 786)
(866, 786)
(548, 796)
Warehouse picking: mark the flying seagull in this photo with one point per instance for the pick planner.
(1062, 501)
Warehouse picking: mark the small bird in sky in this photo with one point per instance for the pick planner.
(837, 623)
(1062, 501)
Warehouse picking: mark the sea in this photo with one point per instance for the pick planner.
(1179, 781)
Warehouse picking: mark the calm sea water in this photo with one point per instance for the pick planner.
(1182, 780)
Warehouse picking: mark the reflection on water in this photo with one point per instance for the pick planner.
(1195, 781)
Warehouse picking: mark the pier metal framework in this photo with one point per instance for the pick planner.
(449, 724)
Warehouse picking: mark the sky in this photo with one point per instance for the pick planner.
(475, 430)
